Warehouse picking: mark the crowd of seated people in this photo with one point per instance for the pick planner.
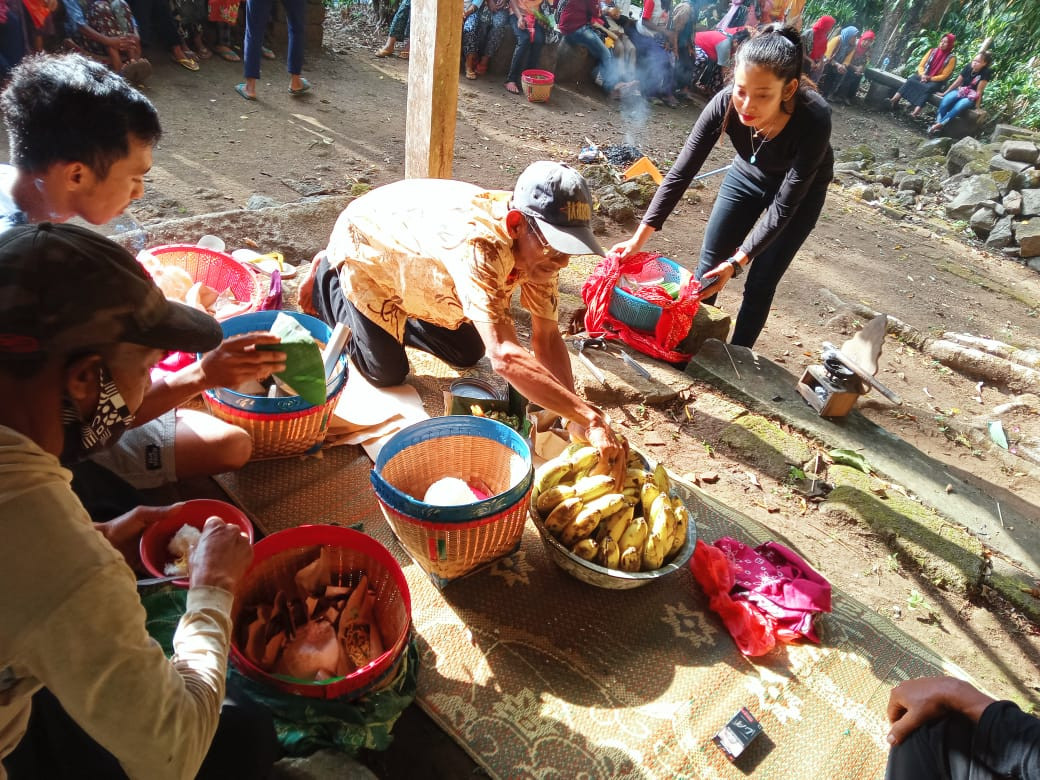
(117, 32)
(665, 50)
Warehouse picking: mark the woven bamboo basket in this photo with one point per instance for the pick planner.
(276, 560)
(283, 426)
(451, 542)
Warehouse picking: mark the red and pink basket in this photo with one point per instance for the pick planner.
(278, 557)
(217, 270)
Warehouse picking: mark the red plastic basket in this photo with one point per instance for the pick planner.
(214, 269)
(537, 85)
(278, 557)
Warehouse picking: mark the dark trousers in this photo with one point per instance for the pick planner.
(56, 748)
(156, 23)
(739, 205)
(379, 356)
(527, 53)
(258, 12)
(938, 750)
(12, 40)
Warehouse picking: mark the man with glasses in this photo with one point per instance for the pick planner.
(433, 264)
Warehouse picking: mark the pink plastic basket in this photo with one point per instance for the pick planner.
(214, 269)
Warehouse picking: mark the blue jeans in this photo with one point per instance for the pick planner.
(527, 52)
(589, 38)
(257, 14)
(739, 205)
(401, 24)
(951, 106)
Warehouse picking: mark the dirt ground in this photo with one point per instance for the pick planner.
(218, 150)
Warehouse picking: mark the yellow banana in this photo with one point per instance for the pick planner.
(635, 461)
(682, 524)
(661, 479)
(608, 504)
(584, 459)
(631, 491)
(551, 473)
(589, 488)
(616, 524)
(609, 553)
(635, 477)
(581, 527)
(647, 495)
(563, 515)
(634, 536)
(551, 498)
(585, 549)
(571, 448)
(653, 554)
(629, 559)
(662, 526)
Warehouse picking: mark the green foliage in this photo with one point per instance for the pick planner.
(864, 14)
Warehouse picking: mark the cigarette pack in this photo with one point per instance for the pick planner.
(736, 735)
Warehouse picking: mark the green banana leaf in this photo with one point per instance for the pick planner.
(304, 371)
(850, 458)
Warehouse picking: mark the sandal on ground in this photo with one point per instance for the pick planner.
(305, 86)
(241, 90)
(226, 53)
(482, 66)
(266, 53)
(186, 62)
(204, 53)
(515, 89)
(403, 55)
(471, 74)
(386, 51)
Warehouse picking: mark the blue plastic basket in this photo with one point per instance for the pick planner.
(261, 404)
(633, 310)
(449, 542)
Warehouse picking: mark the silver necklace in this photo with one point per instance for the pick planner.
(754, 151)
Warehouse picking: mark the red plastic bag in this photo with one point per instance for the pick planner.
(676, 315)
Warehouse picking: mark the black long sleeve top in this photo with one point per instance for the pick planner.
(1007, 741)
(797, 160)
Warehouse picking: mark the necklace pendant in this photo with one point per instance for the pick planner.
(752, 160)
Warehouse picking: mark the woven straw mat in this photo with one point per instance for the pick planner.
(538, 675)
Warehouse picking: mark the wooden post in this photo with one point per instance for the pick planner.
(433, 88)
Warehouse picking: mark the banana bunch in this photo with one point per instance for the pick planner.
(637, 529)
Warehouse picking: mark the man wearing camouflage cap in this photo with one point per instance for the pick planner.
(433, 264)
(78, 346)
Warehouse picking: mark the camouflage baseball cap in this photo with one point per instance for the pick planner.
(557, 197)
(64, 288)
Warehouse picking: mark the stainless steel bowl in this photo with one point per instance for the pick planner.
(612, 579)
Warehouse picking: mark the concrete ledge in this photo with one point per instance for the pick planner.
(945, 553)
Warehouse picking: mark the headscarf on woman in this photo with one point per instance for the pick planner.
(864, 39)
(848, 40)
(821, 29)
(937, 58)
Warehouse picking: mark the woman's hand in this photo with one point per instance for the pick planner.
(626, 249)
(721, 273)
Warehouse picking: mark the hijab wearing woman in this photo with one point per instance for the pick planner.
(821, 28)
(932, 72)
(780, 129)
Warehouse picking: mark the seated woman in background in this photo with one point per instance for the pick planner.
(965, 92)
(107, 30)
(814, 42)
(837, 57)
(484, 25)
(845, 89)
(932, 72)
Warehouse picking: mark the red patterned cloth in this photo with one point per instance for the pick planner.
(763, 595)
(676, 315)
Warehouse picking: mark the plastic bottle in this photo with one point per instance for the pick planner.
(884, 63)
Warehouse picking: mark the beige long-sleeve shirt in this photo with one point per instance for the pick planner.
(71, 620)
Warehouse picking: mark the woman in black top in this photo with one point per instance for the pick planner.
(965, 92)
(781, 128)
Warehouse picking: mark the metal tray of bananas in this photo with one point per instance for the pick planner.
(610, 539)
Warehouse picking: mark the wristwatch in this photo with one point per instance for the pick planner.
(738, 269)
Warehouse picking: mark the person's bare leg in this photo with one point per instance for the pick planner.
(388, 48)
(205, 445)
